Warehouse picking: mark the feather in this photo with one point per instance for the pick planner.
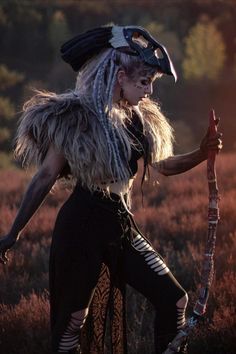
(118, 40)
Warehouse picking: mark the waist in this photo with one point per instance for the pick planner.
(98, 198)
(117, 188)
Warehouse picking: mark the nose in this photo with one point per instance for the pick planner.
(149, 89)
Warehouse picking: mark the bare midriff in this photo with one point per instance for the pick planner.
(118, 187)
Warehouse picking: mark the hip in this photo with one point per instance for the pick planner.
(90, 217)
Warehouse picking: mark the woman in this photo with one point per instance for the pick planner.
(96, 134)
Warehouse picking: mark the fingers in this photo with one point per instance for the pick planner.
(5, 245)
(212, 142)
(218, 146)
(4, 259)
(218, 135)
(215, 142)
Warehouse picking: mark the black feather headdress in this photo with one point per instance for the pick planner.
(134, 40)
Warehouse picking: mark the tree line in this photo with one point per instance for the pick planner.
(200, 36)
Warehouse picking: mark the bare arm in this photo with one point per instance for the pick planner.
(174, 165)
(180, 163)
(38, 188)
(36, 192)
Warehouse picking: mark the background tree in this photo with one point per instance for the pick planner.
(58, 33)
(8, 79)
(58, 30)
(204, 52)
(170, 38)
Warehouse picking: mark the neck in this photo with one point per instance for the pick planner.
(116, 93)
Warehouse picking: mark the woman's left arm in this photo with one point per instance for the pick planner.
(174, 165)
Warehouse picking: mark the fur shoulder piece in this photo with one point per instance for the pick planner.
(47, 118)
(73, 129)
(158, 131)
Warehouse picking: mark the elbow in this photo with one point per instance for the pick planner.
(160, 168)
(164, 173)
(168, 173)
(163, 167)
(45, 178)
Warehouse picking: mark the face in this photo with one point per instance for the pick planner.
(137, 89)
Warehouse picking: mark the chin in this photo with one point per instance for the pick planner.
(132, 101)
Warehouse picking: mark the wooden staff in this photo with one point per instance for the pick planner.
(208, 261)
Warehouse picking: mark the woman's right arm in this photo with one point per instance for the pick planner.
(35, 194)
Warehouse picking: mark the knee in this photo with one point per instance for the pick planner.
(183, 301)
(78, 319)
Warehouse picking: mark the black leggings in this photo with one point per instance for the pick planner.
(92, 230)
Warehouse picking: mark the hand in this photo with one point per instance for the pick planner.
(5, 244)
(213, 142)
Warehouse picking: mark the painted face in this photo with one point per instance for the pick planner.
(135, 90)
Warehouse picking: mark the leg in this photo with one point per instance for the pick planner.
(69, 339)
(71, 293)
(146, 272)
(73, 274)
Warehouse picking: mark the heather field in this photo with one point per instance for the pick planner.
(173, 216)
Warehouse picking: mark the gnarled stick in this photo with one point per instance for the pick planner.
(208, 261)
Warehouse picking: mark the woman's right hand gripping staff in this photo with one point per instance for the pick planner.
(39, 187)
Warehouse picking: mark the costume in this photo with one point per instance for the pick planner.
(97, 247)
(90, 264)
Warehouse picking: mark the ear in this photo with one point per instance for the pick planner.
(121, 77)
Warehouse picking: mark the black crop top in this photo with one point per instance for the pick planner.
(135, 131)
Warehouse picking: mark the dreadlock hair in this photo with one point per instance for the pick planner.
(94, 87)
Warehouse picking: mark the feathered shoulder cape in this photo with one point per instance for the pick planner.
(73, 129)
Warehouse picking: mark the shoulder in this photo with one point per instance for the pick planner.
(48, 113)
(53, 103)
(49, 118)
